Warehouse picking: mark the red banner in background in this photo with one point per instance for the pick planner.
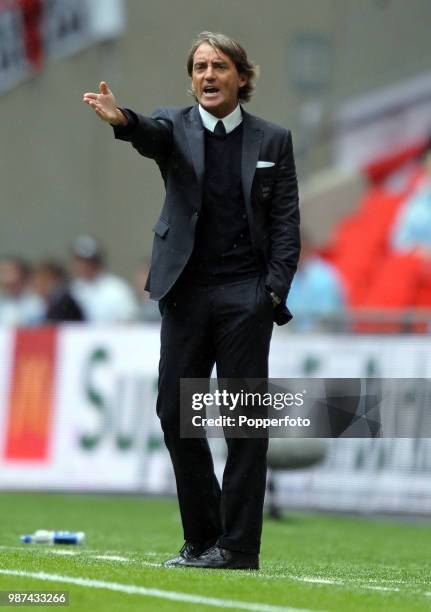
(33, 31)
(31, 397)
(32, 24)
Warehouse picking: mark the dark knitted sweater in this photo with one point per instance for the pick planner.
(223, 251)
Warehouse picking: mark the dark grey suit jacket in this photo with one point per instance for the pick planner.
(174, 138)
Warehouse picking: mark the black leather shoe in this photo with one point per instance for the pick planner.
(221, 558)
(189, 551)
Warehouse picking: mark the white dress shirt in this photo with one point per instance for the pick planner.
(26, 309)
(230, 122)
(106, 299)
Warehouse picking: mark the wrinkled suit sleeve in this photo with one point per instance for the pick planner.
(284, 219)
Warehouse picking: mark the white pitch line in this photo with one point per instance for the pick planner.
(344, 583)
(47, 548)
(149, 564)
(309, 579)
(132, 589)
(379, 588)
(67, 553)
(316, 580)
(43, 548)
(111, 558)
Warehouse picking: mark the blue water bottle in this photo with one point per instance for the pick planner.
(42, 536)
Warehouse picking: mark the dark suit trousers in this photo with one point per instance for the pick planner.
(228, 325)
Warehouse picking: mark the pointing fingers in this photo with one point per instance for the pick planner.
(90, 96)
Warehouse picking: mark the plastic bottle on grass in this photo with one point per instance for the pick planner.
(42, 536)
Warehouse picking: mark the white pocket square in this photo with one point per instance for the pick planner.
(264, 164)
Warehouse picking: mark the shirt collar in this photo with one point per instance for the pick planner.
(230, 122)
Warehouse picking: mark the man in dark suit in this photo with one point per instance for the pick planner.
(225, 251)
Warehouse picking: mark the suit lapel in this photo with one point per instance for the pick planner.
(251, 139)
(195, 136)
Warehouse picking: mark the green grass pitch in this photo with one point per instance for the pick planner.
(308, 562)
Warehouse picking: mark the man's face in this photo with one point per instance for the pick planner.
(216, 81)
(43, 283)
(85, 269)
(12, 281)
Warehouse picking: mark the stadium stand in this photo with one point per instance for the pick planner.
(376, 277)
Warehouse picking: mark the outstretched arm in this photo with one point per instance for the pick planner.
(105, 105)
(152, 137)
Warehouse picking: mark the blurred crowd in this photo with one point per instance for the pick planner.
(411, 231)
(83, 290)
(322, 292)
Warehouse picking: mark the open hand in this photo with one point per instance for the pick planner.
(105, 105)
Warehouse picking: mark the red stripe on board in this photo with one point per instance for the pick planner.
(28, 429)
